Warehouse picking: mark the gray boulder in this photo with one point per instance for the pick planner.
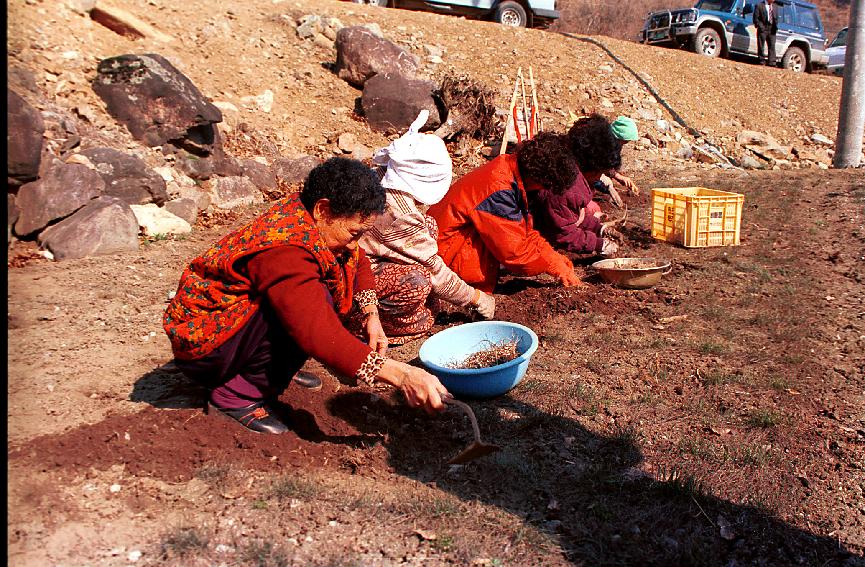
(261, 175)
(127, 177)
(204, 167)
(104, 226)
(11, 215)
(294, 170)
(392, 102)
(232, 192)
(24, 129)
(361, 55)
(184, 208)
(156, 102)
(62, 190)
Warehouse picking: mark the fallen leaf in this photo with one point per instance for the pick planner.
(724, 431)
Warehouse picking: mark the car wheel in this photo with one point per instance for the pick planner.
(511, 14)
(707, 42)
(795, 60)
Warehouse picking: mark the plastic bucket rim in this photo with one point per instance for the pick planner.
(533, 346)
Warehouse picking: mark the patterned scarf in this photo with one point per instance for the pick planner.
(213, 299)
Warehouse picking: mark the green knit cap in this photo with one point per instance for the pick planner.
(625, 129)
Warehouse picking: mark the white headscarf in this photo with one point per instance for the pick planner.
(417, 164)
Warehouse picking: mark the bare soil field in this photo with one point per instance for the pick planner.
(715, 419)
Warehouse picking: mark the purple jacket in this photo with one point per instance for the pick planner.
(557, 218)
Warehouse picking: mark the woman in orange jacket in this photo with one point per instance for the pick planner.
(484, 222)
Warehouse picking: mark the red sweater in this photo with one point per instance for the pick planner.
(557, 217)
(290, 278)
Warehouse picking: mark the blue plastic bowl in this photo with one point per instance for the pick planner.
(455, 344)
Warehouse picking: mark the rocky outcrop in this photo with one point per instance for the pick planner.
(156, 102)
(185, 208)
(154, 221)
(392, 102)
(127, 177)
(260, 174)
(294, 170)
(232, 192)
(64, 189)
(104, 226)
(360, 54)
(24, 129)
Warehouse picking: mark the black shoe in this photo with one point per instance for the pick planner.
(255, 417)
(307, 380)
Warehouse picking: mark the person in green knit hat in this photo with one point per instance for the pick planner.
(597, 145)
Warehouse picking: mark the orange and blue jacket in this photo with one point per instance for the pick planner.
(484, 225)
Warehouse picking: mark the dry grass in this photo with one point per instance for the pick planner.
(497, 353)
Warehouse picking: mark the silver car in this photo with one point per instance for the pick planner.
(837, 50)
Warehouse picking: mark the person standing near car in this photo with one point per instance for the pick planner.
(766, 22)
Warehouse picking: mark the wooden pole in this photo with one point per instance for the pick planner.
(525, 107)
(535, 110)
(510, 115)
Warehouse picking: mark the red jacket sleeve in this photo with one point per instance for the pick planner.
(290, 279)
(365, 279)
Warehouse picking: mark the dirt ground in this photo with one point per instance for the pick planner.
(715, 419)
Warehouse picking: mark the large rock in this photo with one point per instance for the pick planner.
(64, 189)
(763, 145)
(232, 192)
(202, 168)
(156, 102)
(127, 177)
(261, 175)
(184, 208)
(105, 226)
(24, 129)
(11, 215)
(392, 102)
(361, 55)
(294, 170)
(154, 221)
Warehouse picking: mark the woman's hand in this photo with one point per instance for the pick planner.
(627, 183)
(377, 339)
(420, 388)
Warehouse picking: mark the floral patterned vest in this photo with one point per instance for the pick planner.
(213, 299)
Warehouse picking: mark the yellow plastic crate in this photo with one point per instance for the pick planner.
(696, 217)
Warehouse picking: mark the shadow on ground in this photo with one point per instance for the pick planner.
(586, 491)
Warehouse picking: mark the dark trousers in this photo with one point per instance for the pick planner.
(255, 364)
(766, 38)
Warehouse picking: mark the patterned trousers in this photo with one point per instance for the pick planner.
(402, 291)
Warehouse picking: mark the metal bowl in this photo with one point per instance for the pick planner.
(632, 273)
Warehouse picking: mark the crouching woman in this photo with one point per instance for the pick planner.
(252, 309)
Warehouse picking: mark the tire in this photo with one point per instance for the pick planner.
(707, 42)
(795, 60)
(510, 13)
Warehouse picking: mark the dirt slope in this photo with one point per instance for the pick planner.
(714, 420)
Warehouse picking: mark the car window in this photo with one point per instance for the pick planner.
(716, 5)
(840, 39)
(807, 18)
(786, 13)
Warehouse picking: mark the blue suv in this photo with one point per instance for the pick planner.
(719, 28)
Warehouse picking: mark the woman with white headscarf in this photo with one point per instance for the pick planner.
(416, 173)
